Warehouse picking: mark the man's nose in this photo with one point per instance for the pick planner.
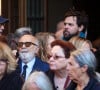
(51, 58)
(23, 46)
(66, 26)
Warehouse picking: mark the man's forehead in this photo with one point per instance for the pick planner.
(27, 37)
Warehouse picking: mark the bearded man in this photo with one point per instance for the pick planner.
(75, 24)
(28, 47)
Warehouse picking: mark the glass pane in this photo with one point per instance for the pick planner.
(35, 15)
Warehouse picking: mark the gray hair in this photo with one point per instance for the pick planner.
(22, 31)
(85, 57)
(41, 80)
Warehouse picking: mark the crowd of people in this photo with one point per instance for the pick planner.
(65, 60)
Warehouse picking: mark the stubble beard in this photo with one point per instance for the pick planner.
(67, 36)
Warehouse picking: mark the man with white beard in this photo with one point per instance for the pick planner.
(28, 47)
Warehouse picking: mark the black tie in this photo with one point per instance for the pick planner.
(24, 71)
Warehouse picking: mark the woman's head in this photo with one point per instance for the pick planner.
(81, 62)
(45, 39)
(60, 52)
(66, 46)
(7, 57)
(37, 81)
(79, 42)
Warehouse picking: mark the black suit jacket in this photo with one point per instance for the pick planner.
(11, 81)
(38, 65)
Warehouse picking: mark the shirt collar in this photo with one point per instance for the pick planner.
(29, 64)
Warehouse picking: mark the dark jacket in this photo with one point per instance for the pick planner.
(92, 85)
(39, 65)
(11, 81)
(50, 74)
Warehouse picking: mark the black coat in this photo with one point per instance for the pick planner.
(11, 81)
(92, 85)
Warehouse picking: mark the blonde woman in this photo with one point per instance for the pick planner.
(9, 78)
(79, 42)
(45, 39)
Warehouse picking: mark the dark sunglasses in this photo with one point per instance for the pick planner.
(27, 44)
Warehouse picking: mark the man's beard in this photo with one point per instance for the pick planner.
(26, 56)
(67, 36)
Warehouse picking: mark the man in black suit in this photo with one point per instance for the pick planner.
(28, 47)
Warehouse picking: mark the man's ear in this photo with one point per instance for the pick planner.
(81, 28)
(84, 68)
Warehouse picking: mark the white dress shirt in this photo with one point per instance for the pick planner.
(29, 67)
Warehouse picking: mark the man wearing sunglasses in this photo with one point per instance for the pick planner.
(28, 47)
(2, 24)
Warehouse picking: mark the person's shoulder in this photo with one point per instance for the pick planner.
(14, 75)
(96, 86)
(40, 61)
(15, 80)
(41, 64)
(49, 73)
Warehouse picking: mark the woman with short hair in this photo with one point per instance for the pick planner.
(81, 70)
(60, 53)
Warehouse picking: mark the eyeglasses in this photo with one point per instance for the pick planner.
(55, 57)
(27, 44)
